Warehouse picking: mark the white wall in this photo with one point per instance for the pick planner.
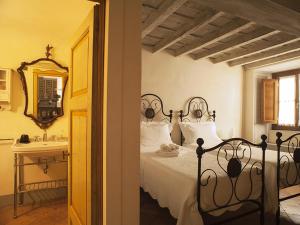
(252, 126)
(122, 109)
(176, 79)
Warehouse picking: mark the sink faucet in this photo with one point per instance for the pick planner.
(45, 135)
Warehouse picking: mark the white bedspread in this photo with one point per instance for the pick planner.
(172, 181)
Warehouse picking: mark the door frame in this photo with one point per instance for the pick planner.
(97, 114)
(115, 113)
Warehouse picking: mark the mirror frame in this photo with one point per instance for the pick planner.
(24, 65)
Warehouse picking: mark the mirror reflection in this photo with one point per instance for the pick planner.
(44, 82)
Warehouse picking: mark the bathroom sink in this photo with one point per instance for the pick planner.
(39, 147)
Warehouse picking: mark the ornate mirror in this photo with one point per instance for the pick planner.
(44, 81)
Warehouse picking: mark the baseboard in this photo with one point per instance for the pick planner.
(35, 196)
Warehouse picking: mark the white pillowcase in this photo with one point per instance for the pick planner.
(155, 133)
(205, 130)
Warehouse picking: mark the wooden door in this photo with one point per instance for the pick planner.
(269, 110)
(81, 72)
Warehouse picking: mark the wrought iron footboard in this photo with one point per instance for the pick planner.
(288, 167)
(233, 163)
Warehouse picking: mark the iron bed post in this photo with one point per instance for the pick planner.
(214, 115)
(200, 153)
(181, 120)
(171, 115)
(278, 143)
(264, 146)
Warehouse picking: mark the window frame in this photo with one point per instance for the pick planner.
(296, 73)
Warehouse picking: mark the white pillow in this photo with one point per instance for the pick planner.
(155, 133)
(205, 130)
(153, 123)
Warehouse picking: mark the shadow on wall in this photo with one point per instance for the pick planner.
(18, 97)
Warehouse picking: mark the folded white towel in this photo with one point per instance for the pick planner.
(164, 147)
(163, 153)
(174, 146)
(170, 150)
(169, 147)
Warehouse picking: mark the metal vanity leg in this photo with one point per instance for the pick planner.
(21, 178)
(15, 185)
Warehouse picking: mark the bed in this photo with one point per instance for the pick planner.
(288, 167)
(194, 188)
(197, 110)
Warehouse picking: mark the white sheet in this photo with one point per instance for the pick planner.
(172, 181)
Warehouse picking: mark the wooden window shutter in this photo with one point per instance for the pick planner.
(270, 101)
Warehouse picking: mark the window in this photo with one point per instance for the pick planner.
(288, 100)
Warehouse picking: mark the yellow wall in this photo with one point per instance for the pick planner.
(24, 38)
(26, 28)
(13, 123)
(16, 48)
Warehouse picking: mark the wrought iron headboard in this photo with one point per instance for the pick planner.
(152, 108)
(197, 108)
(232, 160)
(288, 167)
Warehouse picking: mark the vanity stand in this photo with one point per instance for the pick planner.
(42, 154)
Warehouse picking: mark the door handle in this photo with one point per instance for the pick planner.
(66, 154)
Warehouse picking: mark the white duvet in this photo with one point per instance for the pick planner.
(172, 181)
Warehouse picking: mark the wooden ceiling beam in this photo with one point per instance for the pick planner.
(157, 17)
(266, 54)
(264, 12)
(202, 20)
(292, 4)
(258, 34)
(273, 60)
(281, 39)
(225, 31)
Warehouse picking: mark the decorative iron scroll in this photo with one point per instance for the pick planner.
(152, 108)
(289, 162)
(288, 166)
(233, 163)
(197, 108)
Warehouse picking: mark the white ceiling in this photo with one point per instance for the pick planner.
(55, 19)
(288, 65)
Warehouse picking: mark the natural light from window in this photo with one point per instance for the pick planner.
(287, 98)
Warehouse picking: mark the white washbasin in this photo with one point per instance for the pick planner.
(39, 147)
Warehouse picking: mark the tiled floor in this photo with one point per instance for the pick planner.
(54, 213)
(152, 214)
